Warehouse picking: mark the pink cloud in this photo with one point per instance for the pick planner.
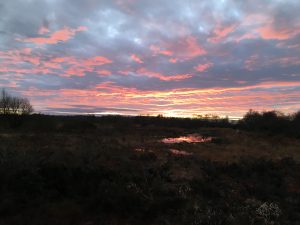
(59, 59)
(96, 61)
(173, 60)
(19, 56)
(246, 36)
(157, 50)
(255, 61)
(136, 58)
(183, 49)
(103, 72)
(13, 62)
(269, 32)
(62, 35)
(43, 30)
(79, 67)
(52, 65)
(203, 67)
(221, 32)
(285, 61)
(175, 102)
(189, 48)
(265, 27)
(124, 72)
(163, 77)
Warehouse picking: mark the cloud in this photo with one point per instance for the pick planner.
(221, 32)
(112, 98)
(62, 35)
(43, 30)
(25, 61)
(269, 32)
(104, 72)
(136, 58)
(162, 77)
(184, 48)
(156, 56)
(173, 60)
(156, 50)
(203, 67)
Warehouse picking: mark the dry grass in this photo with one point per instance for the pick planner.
(96, 176)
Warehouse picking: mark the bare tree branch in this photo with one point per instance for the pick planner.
(14, 105)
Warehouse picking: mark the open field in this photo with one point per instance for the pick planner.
(87, 170)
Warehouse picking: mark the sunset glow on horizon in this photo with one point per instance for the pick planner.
(133, 57)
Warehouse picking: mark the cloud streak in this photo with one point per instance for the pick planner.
(62, 35)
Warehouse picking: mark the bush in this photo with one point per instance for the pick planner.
(272, 122)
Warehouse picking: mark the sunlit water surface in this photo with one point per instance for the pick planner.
(180, 152)
(191, 138)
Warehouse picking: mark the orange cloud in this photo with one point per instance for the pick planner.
(62, 35)
(136, 58)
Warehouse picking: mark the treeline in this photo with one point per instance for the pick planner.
(272, 122)
(12, 105)
(269, 122)
(78, 124)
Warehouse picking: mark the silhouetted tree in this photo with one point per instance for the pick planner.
(251, 119)
(14, 105)
(296, 118)
(295, 124)
(273, 122)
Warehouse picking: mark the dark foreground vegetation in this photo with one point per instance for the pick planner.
(272, 122)
(115, 170)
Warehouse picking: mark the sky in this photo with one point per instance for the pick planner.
(132, 57)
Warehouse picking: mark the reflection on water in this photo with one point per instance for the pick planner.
(191, 138)
(142, 150)
(180, 152)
